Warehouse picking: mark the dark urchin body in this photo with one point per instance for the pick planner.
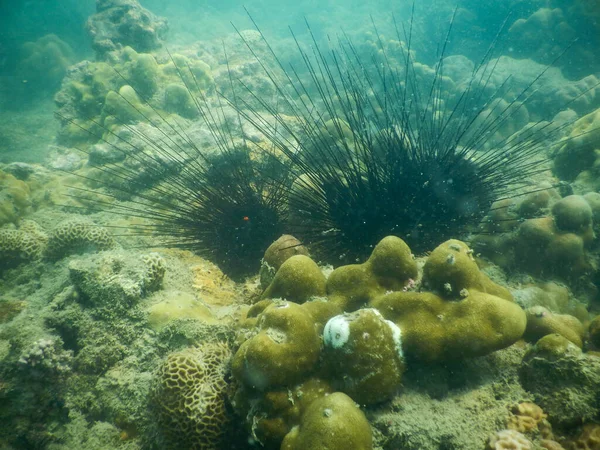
(227, 204)
(373, 149)
(379, 151)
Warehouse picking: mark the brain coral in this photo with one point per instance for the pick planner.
(190, 393)
(75, 236)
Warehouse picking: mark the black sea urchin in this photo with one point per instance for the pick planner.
(227, 205)
(383, 150)
(363, 145)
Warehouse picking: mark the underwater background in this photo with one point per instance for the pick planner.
(300, 225)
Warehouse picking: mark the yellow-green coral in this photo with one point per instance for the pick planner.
(467, 316)
(332, 422)
(577, 159)
(541, 322)
(284, 350)
(298, 279)
(24, 244)
(367, 350)
(44, 62)
(190, 393)
(390, 267)
(15, 198)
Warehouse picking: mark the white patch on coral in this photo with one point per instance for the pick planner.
(397, 336)
(336, 332)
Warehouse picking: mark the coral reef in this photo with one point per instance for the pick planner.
(542, 234)
(119, 23)
(284, 348)
(541, 322)
(190, 393)
(46, 359)
(43, 63)
(298, 279)
(27, 243)
(276, 254)
(577, 158)
(467, 314)
(390, 267)
(15, 198)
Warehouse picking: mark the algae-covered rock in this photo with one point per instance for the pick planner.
(119, 23)
(390, 267)
(114, 281)
(564, 381)
(541, 322)
(333, 422)
(177, 305)
(284, 350)
(298, 279)
(367, 350)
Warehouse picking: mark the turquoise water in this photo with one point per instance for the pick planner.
(437, 166)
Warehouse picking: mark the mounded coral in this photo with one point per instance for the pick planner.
(276, 254)
(283, 351)
(390, 267)
(27, 243)
(525, 417)
(15, 198)
(542, 235)
(467, 315)
(190, 393)
(116, 280)
(332, 422)
(545, 34)
(298, 279)
(541, 322)
(43, 63)
(509, 440)
(594, 332)
(271, 415)
(367, 349)
(577, 158)
(77, 236)
(588, 439)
